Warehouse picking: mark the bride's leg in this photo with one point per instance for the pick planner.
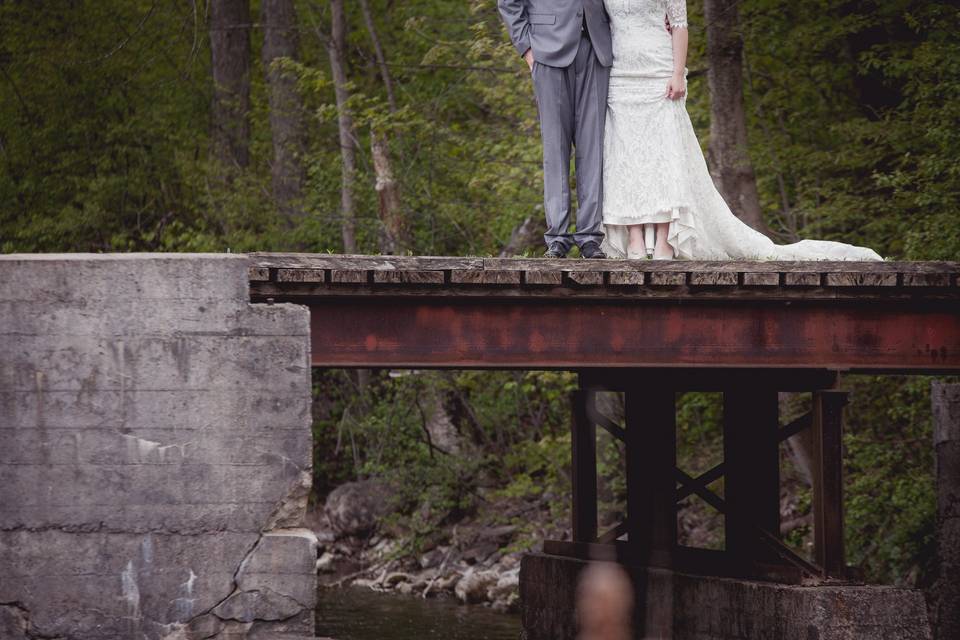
(663, 250)
(636, 248)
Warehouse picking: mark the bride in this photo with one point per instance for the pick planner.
(656, 182)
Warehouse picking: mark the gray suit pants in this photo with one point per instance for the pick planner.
(572, 102)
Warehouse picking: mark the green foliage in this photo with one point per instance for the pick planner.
(891, 499)
(852, 110)
(512, 433)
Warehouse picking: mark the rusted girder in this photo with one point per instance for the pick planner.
(573, 334)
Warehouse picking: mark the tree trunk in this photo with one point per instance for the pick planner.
(395, 233)
(230, 64)
(286, 109)
(381, 57)
(727, 154)
(336, 49)
(395, 237)
(526, 235)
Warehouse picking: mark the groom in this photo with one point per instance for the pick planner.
(566, 44)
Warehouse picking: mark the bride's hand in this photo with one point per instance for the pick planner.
(677, 87)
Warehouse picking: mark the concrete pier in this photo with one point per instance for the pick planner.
(687, 607)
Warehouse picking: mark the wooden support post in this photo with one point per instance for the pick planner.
(584, 469)
(828, 482)
(945, 593)
(751, 462)
(651, 452)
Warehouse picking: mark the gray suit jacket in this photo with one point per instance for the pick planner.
(552, 29)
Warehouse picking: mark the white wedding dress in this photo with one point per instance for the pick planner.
(653, 168)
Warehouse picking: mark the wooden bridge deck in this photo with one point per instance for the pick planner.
(370, 311)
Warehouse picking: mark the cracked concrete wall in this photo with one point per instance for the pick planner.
(155, 451)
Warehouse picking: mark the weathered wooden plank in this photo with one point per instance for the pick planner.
(626, 278)
(941, 279)
(486, 276)
(259, 274)
(586, 278)
(301, 275)
(345, 276)
(408, 277)
(551, 278)
(761, 279)
(667, 278)
(708, 562)
(854, 279)
(550, 286)
(335, 261)
(557, 264)
(801, 279)
(713, 278)
(365, 263)
(743, 266)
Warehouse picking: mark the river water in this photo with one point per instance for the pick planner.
(362, 614)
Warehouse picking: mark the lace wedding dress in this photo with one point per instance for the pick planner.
(653, 168)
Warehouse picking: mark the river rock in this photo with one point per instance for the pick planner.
(325, 563)
(479, 553)
(501, 534)
(355, 508)
(448, 583)
(433, 558)
(505, 595)
(473, 586)
(392, 579)
(511, 560)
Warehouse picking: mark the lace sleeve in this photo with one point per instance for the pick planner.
(677, 13)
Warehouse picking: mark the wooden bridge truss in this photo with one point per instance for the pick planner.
(750, 470)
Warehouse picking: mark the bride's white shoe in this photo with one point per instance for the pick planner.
(648, 238)
(663, 255)
(635, 255)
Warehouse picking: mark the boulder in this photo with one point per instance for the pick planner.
(433, 558)
(355, 508)
(505, 594)
(472, 588)
(479, 553)
(392, 579)
(325, 563)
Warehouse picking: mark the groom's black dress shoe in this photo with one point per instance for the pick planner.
(555, 250)
(592, 250)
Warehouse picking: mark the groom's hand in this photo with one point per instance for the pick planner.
(528, 56)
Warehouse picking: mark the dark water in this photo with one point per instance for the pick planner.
(362, 614)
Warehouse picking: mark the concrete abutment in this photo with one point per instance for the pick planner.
(156, 451)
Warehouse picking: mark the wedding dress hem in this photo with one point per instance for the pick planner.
(681, 233)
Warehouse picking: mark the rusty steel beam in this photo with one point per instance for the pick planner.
(474, 333)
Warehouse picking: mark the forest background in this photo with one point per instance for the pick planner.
(409, 126)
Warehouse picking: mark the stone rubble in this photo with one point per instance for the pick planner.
(479, 565)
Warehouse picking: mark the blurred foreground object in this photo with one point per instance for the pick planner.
(604, 603)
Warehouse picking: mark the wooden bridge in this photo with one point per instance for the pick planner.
(650, 330)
